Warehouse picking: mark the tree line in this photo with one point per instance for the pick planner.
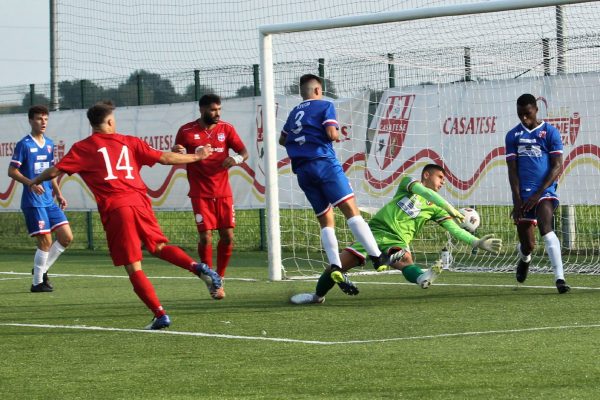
(139, 88)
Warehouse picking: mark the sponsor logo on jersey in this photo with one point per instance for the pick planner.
(568, 123)
(392, 128)
(525, 140)
(529, 151)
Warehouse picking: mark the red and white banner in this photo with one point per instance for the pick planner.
(461, 126)
(158, 125)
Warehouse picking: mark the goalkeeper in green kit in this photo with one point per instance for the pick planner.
(394, 226)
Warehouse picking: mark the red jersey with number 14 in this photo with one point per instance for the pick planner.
(110, 164)
(208, 177)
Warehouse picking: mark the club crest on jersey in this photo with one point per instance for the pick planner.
(221, 137)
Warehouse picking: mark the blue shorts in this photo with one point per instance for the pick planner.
(43, 220)
(531, 215)
(324, 184)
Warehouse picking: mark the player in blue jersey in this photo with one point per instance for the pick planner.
(307, 135)
(534, 157)
(33, 154)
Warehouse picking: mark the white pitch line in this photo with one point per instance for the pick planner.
(316, 342)
(118, 276)
(513, 285)
(516, 286)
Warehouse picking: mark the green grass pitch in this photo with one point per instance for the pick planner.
(470, 336)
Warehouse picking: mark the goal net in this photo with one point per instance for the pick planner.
(439, 85)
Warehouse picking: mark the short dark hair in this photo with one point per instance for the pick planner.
(37, 109)
(97, 113)
(309, 77)
(526, 99)
(209, 99)
(433, 167)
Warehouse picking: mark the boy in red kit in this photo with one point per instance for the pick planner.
(109, 163)
(210, 192)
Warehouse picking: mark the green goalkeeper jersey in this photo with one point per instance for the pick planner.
(405, 215)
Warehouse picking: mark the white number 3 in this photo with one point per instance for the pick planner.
(122, 163)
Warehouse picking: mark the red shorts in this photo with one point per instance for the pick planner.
(213, 213)
(126, 228)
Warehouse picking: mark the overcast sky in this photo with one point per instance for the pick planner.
(25, 44)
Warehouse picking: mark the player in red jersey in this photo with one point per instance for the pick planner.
(109, 163)
(210, 191)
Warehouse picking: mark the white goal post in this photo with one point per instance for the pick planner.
(267, 33)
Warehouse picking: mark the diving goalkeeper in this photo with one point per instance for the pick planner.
(395, 226)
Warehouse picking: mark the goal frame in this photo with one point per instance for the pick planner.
(266, 33)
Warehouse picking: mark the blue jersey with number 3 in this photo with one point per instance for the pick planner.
(31, 159)
(306, 135)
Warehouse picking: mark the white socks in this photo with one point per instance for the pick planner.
(43, 260)
(330, 244)
(362, 233)
(525, 258)
(55, 251)
(553, 249)
(39, 266)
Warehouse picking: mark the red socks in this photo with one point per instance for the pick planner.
(205, 253)
(224, 251)
(177, 256)
(145, 291)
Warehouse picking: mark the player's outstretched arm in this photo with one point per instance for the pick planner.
(487, 242)
(46, 175)
(435, 198)
(170, 158)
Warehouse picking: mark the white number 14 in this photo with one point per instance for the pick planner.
(122, 163)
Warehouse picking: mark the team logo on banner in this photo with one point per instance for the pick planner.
(59, 151)
(392, 128)
(567, 124)
(260, 133)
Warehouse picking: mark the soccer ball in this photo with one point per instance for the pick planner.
(472, 219)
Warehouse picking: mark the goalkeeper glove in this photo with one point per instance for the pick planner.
(488, 243)
(454, 213)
